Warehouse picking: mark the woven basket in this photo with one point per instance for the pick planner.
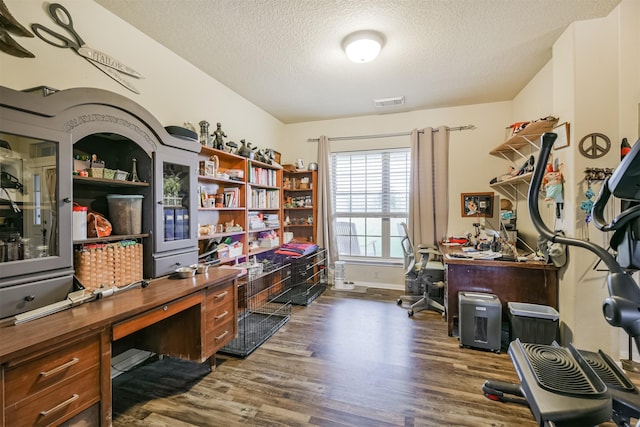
(113, 264)
(108, 173)
(96, 172)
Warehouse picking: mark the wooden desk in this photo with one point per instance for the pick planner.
(59, 367)
(531, 282)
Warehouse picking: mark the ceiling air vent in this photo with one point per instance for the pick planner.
(389, 102)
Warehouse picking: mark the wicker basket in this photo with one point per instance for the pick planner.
(113, 264)
(96, 172)
(108, 173)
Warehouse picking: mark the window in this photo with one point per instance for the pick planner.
(371, 199)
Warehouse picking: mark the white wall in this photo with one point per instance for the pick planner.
(533, 102)
(596, 110)
(173, 90)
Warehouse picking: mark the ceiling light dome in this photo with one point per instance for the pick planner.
(362, 46)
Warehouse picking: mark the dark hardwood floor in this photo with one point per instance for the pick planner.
(347, 359)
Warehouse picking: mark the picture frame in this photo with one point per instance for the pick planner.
(563, 141)
(477, 204)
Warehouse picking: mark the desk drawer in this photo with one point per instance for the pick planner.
(61, 402)
(153, 316)
(221, 318)
(218, 337)
(167, 264)
(50, 370)
(220, 296)
(220, 315)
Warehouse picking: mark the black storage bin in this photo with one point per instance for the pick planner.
(533, 323)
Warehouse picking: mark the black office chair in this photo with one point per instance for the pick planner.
(424, 277)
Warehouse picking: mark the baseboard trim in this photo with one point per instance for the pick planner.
(392, 286)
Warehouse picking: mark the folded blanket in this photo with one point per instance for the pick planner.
(297, 249)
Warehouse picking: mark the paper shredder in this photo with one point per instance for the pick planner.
(480, 320)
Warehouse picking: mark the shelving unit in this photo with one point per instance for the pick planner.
(264, 212)
(91, 187)
(518, 148)
(117, 259)
(300, 218)
(247, 206)
(222, 219)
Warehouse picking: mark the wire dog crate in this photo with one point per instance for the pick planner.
(264, 306)
(308, 277)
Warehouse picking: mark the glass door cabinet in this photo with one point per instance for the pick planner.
(35, 200)
(175, 223)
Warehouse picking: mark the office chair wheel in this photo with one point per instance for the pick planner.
(399, 301)
(410, 313)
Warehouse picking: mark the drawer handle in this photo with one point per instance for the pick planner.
(221, 295)
(220, 316)
(222, 335)
(60, 368)
(60, 406)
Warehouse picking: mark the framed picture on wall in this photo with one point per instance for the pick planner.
(477, 204)
(562, 131)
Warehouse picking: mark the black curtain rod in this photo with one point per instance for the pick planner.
(387, 135)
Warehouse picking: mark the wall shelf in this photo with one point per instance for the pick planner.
(512, 187)
(528, 137)
(77, 179)
(112, 238)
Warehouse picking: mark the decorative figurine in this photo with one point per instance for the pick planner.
(233, 147)
(205, 139)
(552, 184)
(245, 149)
(134, 171)
(218, 134)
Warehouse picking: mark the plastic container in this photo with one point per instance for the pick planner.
(125, 213)
(339, 281)
(79, 222)
(533, 323)
(121, 175)
(338, 274)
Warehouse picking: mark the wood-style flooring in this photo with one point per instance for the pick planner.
(347, 359)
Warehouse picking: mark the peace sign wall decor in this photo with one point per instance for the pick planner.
(594, 145)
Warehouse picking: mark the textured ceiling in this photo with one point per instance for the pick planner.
(285, 55)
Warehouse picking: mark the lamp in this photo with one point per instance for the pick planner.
(362, 46)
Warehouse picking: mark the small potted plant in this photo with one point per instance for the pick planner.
(172, 184)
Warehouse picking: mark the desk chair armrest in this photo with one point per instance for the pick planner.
(429, 253)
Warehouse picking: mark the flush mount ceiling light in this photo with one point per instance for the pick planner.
(362, 46)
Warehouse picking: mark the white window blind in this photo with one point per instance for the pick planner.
(371, 199)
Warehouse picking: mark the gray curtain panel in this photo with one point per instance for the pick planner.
(429, 197)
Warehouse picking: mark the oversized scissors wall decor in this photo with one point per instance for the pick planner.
(105, 63)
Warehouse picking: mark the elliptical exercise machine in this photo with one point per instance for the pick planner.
(564, 386)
